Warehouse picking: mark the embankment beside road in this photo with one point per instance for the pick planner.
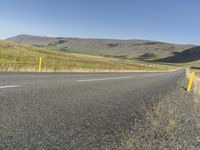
(195, 85)
(173, 123)
(196, 88)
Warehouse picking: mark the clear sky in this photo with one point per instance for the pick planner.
(176, 21)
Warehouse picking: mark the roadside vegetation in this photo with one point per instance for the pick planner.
(171, 124)
(19, 57)
(196, 84)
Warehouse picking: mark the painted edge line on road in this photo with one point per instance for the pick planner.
(114, 78)
(103, 79)
(9, 86)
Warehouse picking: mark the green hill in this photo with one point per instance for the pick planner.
(123, 49)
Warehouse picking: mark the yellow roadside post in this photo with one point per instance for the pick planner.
(191, 79)
(40, 65)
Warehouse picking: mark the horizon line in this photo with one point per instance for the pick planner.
(96, 38)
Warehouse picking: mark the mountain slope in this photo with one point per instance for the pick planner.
(105, 47)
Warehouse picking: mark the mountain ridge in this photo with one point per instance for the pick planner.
(125, 49)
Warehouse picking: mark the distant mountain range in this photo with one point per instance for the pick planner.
(124, 49)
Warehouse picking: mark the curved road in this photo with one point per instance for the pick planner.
(74, 110)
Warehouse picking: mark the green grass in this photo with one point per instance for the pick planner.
(18, 57)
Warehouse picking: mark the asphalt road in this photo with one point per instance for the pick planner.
(74, 111)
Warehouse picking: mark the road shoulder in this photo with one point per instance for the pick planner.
(173, 123)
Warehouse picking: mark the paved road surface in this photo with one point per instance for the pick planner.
(74, 111)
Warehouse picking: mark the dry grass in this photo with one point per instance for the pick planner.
(197, 87)
(172, 124)
(18, 57)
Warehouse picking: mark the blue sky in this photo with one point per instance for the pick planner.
(176, 21)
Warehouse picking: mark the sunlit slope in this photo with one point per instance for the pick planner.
(18, 57)
(124, 49)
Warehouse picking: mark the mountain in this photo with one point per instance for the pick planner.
(124, 49)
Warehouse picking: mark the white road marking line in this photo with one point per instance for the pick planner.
(103, 79)
(9, 86)
(114, 78)
(150, 75)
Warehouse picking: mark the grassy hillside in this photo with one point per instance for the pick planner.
(188, 58)
(123, 49)
(18, 57)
